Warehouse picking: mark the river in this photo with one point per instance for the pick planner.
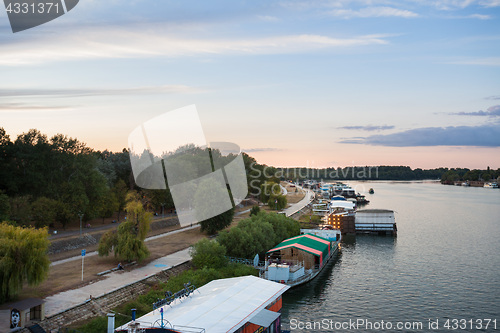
(440, 274)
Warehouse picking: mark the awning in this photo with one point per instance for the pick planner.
(264, 318)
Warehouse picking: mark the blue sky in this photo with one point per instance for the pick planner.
(317, 83)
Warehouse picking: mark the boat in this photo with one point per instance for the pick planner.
(491, 185)
(371, 191)
(361, 199)
(300, 259)
(465, 184)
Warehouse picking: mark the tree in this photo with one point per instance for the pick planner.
(217, 223)
(120, 191)
(208, 200)
(277, 202)
(44, 211)
(107, 205)
(4, 207)
(128, 241)
(208, 254)
(254, 210)
(23, 253)
(258, 234)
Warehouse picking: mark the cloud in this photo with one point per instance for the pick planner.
(373, 12)
(96, 92)
(489, 61)
(368, 128)
(490, 3)
(493, 97)
(113, 43)
(258, 150)
(268, 18)
(480, 16)
(492, 111)
(485, 136)
(21, 107)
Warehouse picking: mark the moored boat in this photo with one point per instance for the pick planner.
(491, 185)
(300, 259)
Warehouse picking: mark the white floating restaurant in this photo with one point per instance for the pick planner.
(244, 304)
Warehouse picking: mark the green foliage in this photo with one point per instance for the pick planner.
(254, 210)
(4, 207)
(212, 225)
(277, 202)
(20, 210)
(107, 205)
(269, 189)
(207, 200)
(23, 253)
(128, 241)
(258, 234)
(120, 192)
(208, 254)
(44, 211)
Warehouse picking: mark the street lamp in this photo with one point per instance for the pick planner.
(81, 216)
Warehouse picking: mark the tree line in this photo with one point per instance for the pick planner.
(459, 174)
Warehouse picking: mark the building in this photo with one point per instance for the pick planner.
(22, 314)
(380, 221)
(242, 304)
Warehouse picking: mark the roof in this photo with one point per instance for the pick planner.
(370, 211)
(313, 244)
(24, 304)
(223, 305)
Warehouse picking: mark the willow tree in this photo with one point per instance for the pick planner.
(23, 258)
(127, 242)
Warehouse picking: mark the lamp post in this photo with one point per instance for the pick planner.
(163, 210)
(81, 216)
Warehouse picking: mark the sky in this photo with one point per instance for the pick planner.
(318, 83)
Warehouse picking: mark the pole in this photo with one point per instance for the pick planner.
(83, 260)
(81, 216)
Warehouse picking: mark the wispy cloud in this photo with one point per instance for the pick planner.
(489, 61)
(129, 43)
(258, 150)
(480, 16)
(368, 128)
(373, 12)
(22, 107)
(493, 97)
(485, 136)
(490, 3)
(492, 111)
(29, 92)
(268, 18)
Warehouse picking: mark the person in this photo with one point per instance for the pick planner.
(15, 318)
(120, 267)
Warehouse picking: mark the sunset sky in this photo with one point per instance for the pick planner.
(314, 83)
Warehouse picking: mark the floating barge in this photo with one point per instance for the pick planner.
(300, 259)
(243, 304)
(376, 221)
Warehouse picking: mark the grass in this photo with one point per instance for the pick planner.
(143, 303)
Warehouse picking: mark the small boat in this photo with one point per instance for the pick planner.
(361, 199)
(491, 185)
(300, 259)
(371, 191)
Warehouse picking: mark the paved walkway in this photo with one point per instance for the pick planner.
(301, 204)
(89, 254)
(116, 280)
